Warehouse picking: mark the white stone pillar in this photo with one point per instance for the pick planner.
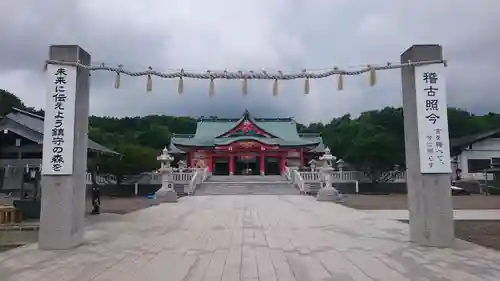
(429, 194)
(64, 150)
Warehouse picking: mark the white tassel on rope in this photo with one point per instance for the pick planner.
(180, 87)
(211, 90)
(117, 79)
(340, 80)
(244, 83)
(373, 76)
(275, 84)
(149, 84)
(306, 83)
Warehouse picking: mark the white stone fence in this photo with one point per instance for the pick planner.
(347, 176)
(359, 176)
(293, 175)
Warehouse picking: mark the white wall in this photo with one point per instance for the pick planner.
(487, 149)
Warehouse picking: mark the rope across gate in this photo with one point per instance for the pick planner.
(245, 75)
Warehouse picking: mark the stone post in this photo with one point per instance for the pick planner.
(166, 193)
(63, 194)
(429, 195)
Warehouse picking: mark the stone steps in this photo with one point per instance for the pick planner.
(246, 188)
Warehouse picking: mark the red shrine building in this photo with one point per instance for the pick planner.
(246, 145)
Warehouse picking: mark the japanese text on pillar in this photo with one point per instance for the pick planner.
(59, 100)
(435, 147)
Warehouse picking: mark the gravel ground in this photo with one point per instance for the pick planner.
(485, 233)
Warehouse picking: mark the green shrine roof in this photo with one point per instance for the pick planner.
(214, 131)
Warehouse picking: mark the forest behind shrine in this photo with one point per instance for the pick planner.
(372, 141)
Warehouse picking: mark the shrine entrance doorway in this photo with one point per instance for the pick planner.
(272, 166)
(221, 167)
(247, 165)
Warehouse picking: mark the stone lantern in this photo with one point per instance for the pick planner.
(166, 193)
(341, 165)
(327, 158)
(312, 164)
(182, 164)
(327, 192)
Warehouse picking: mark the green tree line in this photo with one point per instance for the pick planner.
(372, 141)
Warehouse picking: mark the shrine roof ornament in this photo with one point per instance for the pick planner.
(246, 127)
(246, 75)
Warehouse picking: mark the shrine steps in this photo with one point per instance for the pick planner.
(247, 185)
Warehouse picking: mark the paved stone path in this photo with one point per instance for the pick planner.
(458, 214)
(262, 238)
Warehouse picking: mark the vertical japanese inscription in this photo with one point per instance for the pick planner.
(432, 119)
(59, 96)
(59, 121)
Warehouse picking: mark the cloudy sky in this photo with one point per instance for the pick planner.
(259, 34)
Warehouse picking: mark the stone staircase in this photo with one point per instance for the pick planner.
(314, 187)
(250, 185)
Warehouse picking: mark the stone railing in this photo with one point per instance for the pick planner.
(347, 176)
(478, 177)
(293, 175)
(199, 176)
(310, 176)
(101, 179)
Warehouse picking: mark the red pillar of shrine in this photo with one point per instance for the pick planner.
(301, 157)
(231, 165)
(283, 163)
(190, 159)
(262, 164)
(209, 162)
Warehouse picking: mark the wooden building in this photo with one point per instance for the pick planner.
(21, 137)
(247, 145)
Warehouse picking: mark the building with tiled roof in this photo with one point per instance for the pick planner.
(247, 145)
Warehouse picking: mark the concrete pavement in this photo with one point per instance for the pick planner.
(457, 214)
(272, 237)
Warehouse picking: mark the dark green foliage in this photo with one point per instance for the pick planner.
(373, 142)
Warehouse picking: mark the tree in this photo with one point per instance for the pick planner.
(372, 142)
(135, 160)
(8, 101)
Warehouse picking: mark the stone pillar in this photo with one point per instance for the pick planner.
(231, 164)
(429, 195)
(262, 164)
(63, 196)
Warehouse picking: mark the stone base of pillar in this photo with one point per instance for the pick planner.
(166, 194)
(231, 173)
(262, 173)
(329, 194)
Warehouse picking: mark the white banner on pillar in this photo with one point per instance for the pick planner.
(59, 123)
(432, 118)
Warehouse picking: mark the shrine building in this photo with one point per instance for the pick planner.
(246, 146)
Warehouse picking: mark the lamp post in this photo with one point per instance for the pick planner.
(166, 193)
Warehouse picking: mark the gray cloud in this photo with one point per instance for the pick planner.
(277, 34)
